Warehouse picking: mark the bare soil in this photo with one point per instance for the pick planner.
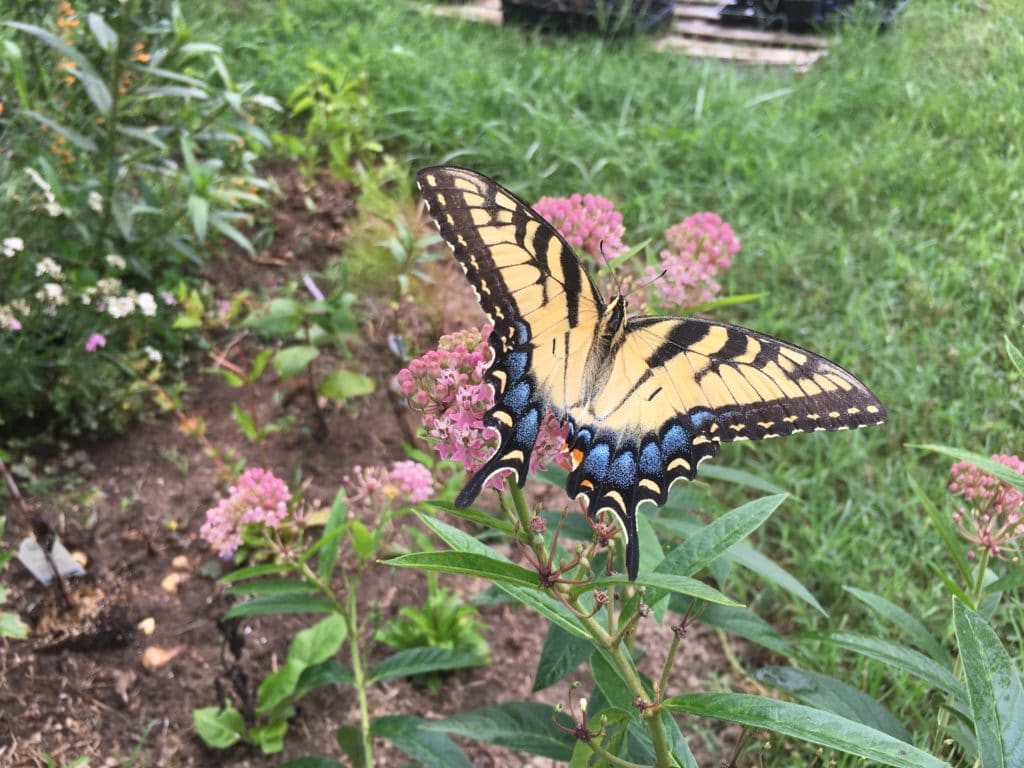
(135, 513)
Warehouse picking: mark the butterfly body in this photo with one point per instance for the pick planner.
(646, 398)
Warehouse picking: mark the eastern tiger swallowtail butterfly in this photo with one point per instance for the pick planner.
(646, 398)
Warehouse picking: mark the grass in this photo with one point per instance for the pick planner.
(877, 197)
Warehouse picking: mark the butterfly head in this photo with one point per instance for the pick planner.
(612, 328)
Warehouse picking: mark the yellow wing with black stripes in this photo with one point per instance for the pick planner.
(646, 398)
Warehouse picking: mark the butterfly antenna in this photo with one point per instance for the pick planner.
(643, 286)
(614, 278)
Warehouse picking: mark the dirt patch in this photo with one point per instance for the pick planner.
(136, 516)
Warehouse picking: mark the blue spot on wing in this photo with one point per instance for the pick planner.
(595, 464)
(515, 364)
(623, 470)
(700, 418)
(675, 441)
(517, 397)
(528, 427)
(650, 460)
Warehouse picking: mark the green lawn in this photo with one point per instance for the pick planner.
(878, 199)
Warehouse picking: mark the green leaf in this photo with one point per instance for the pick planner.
(341, 384)
(541, 602)
(79, 140)
(271, 587)
(313, 761)
(351, 742)
(255, 571)
(901, 657)
(86, 73)
(243, 419)
(993, 688)
(610, 683)
(1015, 355)
(418, 661)
(232, 234)
(423, 744)
(523, 726)
(468, 564)
(219, 728)
(278, 687)
(904, 623)
(12, 626)
(329, 672)
(292, 361)
(951, 541)
(715, 538)
(144, 135)
(105, 36)
(474, 516)
(984, 463)
(329, 551)
(269, 737)
(319, 642)
(738, 621)
(561, 654)
(1009, 582)
(662, 582)
(199, 214)
(828, 693)
(712, 471)
(274, 604)
(800, 722)
(362, 540)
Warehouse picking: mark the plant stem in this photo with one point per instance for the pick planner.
(358, 670)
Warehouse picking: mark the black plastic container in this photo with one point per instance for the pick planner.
(608, 17)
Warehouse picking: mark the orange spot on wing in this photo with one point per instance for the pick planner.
(577, 457)
(587, 484)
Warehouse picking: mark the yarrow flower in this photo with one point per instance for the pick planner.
(994, 521)
(12, 246)
(95, 341)
(256, 498)
(8, 321)
(447, 387)
(589, 223)
(407, 482)
(699, 248)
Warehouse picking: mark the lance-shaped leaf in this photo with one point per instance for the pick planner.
(524, 726)
(418, 740)
(468, 564)
(799, 722)
(993, 688)
(418, 661)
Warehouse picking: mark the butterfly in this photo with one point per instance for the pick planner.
(646, 398)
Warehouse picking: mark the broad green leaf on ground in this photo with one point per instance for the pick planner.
(329, 672)
(904, 623)
(561, 654)
(418, 661)
(292, 361)
(901, 657)
(341, 384)
(799, 722)
(420, 741)
(523, 726)
(219, 727)
(826, 692)
(539, 601)
(994, 690)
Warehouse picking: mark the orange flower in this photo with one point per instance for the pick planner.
(140, 54)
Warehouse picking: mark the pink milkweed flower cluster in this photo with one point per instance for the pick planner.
(258, 498)
(407, 482)
(446, 385)
(994, 520)
(699, 248)
(589, 223)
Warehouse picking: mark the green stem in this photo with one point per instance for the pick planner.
(358, 671)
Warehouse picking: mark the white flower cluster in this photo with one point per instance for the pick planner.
(12, 246)
(53, 208)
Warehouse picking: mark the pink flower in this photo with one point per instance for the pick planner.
(95, 341)
(257, 498)
(589, 223)
(373, 488)
(447, 387)
(699, 248)
(995, 519)
(413, 480)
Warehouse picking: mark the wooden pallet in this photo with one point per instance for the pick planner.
(694, 31)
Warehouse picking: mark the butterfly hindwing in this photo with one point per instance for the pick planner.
(646, 399)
